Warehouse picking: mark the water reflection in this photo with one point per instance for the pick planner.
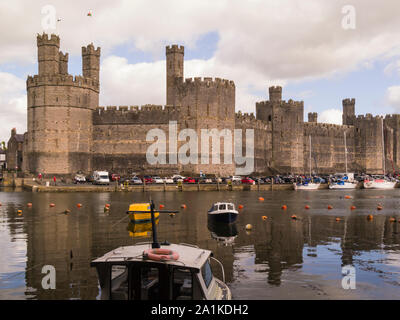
(280, 257)
(224, 233)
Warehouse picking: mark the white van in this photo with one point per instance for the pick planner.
(101, 177)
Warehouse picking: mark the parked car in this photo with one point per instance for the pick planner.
(115, 177)
(79, 178)
(168, 180)
(235, 179)
(148, 179)
(101, 177)
(177, 178)
(157, 180)
(135, 180)
(189, 180)
(247, 181)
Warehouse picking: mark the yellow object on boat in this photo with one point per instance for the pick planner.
(141, 216)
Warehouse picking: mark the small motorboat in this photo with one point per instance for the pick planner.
(159, 271)
(140, 213)
(223, 212)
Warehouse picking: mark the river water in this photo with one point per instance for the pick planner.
(280, 258)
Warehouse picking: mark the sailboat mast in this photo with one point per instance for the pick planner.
(345, 150)
(383, 151)
(310, 154)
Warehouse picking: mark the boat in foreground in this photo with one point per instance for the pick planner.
(154, 271)
(223, 212)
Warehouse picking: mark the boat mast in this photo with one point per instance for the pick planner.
(345, 150)
(383, 151)
(310, 154)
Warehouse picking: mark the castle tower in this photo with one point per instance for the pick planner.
(348, 111)
(48, 54)
(60, 111)
(312, 117)
(287, 121)
(63, 65)
(91, 62)
(275, 94)
(175, 57)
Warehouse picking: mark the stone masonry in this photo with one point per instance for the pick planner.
(68, 131)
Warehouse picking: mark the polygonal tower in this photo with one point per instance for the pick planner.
(175, 57)
(60, 108)
(348, 115)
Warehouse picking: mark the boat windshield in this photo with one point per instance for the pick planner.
(207, 273)
(222, 207)
(230, 207)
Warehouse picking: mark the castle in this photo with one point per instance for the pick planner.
(67, 130)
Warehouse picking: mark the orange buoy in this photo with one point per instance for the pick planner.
(307, 207)
(284, 207)
(240, 206)
(107, 205)
(261, 199)
(183, 206)
(264, 217)
(330, 207)
(52, 205)
(337, 219)
(370, 217)
(161, 206)
(379, 207)
(79, 205)
(294, 217)
(29, 204)
(352, 207)
(347, 197)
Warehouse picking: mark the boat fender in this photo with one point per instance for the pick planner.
(160, 254)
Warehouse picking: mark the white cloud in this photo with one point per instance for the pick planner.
(330, 116)
(393, 97)
(13, 105)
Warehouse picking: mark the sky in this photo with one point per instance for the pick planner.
(320, 52)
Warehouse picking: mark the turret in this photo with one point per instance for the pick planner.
(48, 54)
(312, 117)
(175, 56)
(348, 111)
(63, 65)
(91, 62)
(275, 94)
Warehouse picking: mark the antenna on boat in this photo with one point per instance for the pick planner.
(155, 243)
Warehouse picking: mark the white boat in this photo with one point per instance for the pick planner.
(223, 212)
(343, 185)
(154, 271)
(307, 185)
(379, 184)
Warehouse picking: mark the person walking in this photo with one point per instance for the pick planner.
(55, 180)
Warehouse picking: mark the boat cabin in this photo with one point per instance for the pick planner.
(127, 274)
(222, 206)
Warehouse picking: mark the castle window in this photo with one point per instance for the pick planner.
(208, 110)
(269, 118)
(56, 99)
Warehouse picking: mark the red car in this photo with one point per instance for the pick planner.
(148, 179)
(115, 177)
(189, 180)
(247, 181)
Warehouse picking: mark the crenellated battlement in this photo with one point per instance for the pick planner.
(328, 129)
(62, 80)
(63, 57)
(208, 82)
(249, 120)
(44, 40)
(137, 109)
(349, 101)
(90, 50)
(368, 117)
(282, 103)
(175, 49)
